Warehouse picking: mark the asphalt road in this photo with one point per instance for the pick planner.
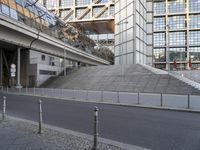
(149, 128)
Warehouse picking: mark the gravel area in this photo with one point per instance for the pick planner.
(21, 135)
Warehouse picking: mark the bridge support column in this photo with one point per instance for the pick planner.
(18, 68)
(1, 68)
(64, 63)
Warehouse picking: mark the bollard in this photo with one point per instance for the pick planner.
(40, 117)
(96, 134)
(101, 96)
(7, 89)
(188, 101)
(86, 95)
(138, 98)
(118, 97)
(161, 99)
(34, 91)
(4, 108)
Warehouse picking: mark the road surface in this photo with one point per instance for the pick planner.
(149, 128)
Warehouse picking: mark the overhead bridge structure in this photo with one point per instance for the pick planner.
(36, 42)
(23, 36)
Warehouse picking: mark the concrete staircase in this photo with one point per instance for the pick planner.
(127, 78)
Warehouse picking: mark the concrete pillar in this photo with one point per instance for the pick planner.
(1, 69)
(18, 68)
(64, 61)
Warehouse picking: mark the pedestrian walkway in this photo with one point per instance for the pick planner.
(20, 135)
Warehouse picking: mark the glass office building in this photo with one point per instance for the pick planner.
(176, 36)
(133, 32)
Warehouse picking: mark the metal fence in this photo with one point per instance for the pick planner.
(175, 101)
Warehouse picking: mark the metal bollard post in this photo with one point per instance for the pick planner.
(34, 91)
(86, 95)
(118, 97)
(138, 98)
(161, 99)
(40, 117)
(188, 101)
(96, 134)
(101, 96)
(4, 108)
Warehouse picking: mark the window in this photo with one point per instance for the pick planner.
(176, 22)
(159, 39)
(13, 14)
(194, 21)
(67, 3)
(194, 5)
(43, 57)
(159, 55)
(18, 2)
(194, 37)
(159, 23)
(5, 9)
(178, 54)
(177, 6)
(177, 38)
(194, 53)
(159, 8)
(82, 2)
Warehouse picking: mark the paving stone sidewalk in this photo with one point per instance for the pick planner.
(18, 135)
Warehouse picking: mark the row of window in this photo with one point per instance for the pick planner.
(176, 22)
(178, 6)
(63, 3)
(178, 54)
(177, 38)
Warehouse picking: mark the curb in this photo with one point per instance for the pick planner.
(116, 104)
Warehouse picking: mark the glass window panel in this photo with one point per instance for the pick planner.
(159, 8)
(5, 9)
(194, 37)
(194, 21)
(67, 3)
(159, 39)
(177, 6)
(129, 46)
(51, 3)
(82, 2)
(194, 5)
(195, 53)
(178, 54)
(130, 58)
(176, 22)
(177, 38)
(159, 23)
(13, 14)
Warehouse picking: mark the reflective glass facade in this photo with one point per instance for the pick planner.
(176, 26)
(131, 32)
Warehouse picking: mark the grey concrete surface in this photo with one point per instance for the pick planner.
(153, 129)
(135, 78)
(19, 134)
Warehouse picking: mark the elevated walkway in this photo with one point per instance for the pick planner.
(127, 78)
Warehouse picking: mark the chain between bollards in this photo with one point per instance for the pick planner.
(96, 134)
(40, 117)
(4, 108)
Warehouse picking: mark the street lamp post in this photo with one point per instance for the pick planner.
(167, 49)
(120, 24)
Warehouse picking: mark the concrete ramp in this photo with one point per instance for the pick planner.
(127, 78)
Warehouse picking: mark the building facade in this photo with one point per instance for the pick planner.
(176, 34)
(133, 32)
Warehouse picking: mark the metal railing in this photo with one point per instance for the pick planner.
(162, 100)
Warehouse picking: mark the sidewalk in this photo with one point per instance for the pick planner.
(20, 135)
